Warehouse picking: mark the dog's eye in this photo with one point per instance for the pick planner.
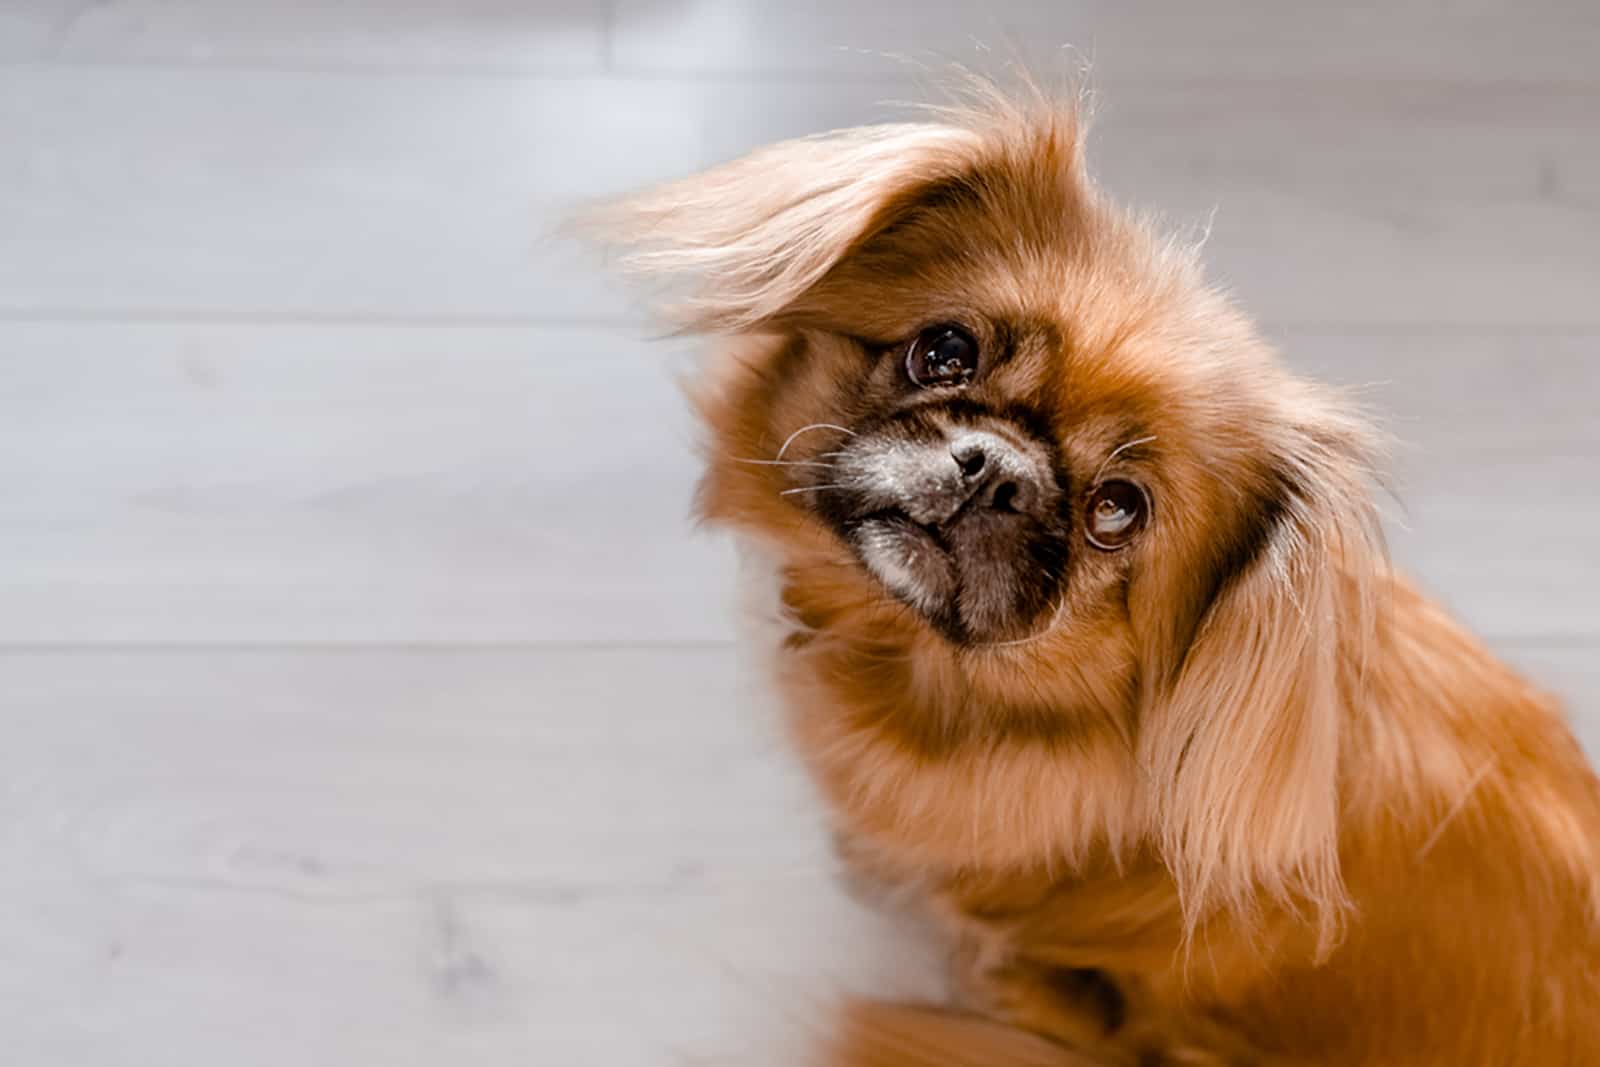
(1117, 512)
(942, 355)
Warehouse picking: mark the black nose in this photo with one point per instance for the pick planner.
(994, 475)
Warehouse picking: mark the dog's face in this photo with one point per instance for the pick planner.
(951, 481)
(985, 472)
(997, 397)
(966, 397)
(1001, 460)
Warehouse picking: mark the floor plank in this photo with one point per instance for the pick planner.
(181, 193)
(1232, 40)
(240, 482)
(144, 192)
(494, 857)
(1549, 41)
(247, 483)
(410, 35)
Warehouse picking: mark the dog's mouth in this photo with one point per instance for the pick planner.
(962, 527)
(983, 579)
(913, 561)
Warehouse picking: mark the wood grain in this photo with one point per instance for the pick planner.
(349, 484)
(415, 857)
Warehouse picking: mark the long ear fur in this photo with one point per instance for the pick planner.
(1242, 741)
(754, 234)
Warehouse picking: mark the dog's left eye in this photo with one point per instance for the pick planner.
(1117, 512)
(942, 356)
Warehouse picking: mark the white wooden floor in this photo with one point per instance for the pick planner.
(367, 698)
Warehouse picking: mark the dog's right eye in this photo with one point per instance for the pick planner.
(942, 355)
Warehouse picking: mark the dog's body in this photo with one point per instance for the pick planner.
(1093, 650)
(1467, 830)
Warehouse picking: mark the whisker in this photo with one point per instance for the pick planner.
(810, 489)
(778, 462)
(806, 429)
(1119, 450)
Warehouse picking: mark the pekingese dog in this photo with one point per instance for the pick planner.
(1091, 643)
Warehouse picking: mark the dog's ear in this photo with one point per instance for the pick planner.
(751, 236)
(1241, 733)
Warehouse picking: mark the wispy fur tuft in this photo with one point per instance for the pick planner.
(747, 238)
(752, 235)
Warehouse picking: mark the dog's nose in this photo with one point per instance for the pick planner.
(965, 471)
(993, 474)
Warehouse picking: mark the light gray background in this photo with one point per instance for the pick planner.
(366, 697)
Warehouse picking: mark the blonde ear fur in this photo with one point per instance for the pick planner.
(754, 234)
(1243, 746)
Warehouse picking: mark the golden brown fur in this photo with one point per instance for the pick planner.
(1243, 796)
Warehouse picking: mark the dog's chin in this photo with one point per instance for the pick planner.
(976, 583)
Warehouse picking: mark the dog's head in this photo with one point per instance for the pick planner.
(995, 424)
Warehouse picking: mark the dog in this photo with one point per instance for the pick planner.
(1090, 642)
